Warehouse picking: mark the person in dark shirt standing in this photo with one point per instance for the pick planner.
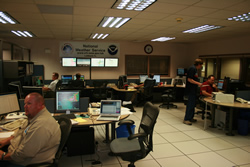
(191, 91)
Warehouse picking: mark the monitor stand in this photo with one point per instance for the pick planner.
(67, 111)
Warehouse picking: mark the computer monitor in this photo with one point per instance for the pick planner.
(82, 62)
(111, 62)
(157, 78)
(220, 84)
(235, 85)
(29, 89)
(180, 72)
(122, 81)
(16, 87)
(67, 101)
(37, 81)
(66, 79)
(81, 78)
(97, 62)
(143, 78)
(69, 62)
(9, 103)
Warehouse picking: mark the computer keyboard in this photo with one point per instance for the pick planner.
(16, 115)
(14, 125)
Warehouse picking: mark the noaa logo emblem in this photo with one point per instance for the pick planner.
(112, 50)
(67, 48)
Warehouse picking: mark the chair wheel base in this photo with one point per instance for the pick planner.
(131, 165)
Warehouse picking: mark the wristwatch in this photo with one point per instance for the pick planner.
(4, 153)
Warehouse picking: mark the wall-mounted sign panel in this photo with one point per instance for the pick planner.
(89, 49)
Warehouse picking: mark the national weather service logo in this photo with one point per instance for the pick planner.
(67, 48)
(112, 50)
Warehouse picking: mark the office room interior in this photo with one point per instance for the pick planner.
(225, 51)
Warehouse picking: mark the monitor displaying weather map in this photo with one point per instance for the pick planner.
(68, 62)
(111, 62)
(97, 62)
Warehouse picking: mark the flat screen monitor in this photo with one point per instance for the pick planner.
(66, 78)
(29, 89)
(157, 78)
(143, 78)
(37, 81)
(16, 87)
(111, 62)
(122, 81)
(82, 62)
(67, 100)
(180, 72)
(97, 62)
(81, 78)
(69, 62)
(220, 84)
(9, 103)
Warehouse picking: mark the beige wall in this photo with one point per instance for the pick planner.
(182, 55)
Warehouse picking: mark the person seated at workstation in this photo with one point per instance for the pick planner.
(36, 141)
(78, 83)
(52, 85)
(208, 87)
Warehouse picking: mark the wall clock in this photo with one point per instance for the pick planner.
(148, 49)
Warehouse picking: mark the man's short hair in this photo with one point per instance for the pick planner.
(56, 74)
(198, 62)
(78, 75)
(210, 76)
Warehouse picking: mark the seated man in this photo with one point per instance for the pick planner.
(38, 139)
(78, 83)
(208, 87)
(52, 85)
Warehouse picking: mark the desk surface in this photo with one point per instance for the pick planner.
(233, 105)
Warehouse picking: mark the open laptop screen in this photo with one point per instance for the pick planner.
(111, 107)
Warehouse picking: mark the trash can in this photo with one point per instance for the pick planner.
(122, 131)
(243, 127)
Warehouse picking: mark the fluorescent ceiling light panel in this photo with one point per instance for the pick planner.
(137, 5)
(98, 36)
(202, 29)
(111, 22)
(23, 33)
(6, 18)
(244, 17)
(163, 39)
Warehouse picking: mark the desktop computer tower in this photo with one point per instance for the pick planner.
(81, 141)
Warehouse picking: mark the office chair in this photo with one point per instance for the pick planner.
(200, 104)
(52, 94)
(146, 94)
(99, 92)
(65, 126)
(76, 84)
(168, 96)
(137, 146)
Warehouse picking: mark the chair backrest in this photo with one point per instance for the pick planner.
(58, 84)
(65, 126)
(76, 84)
(148, 87)
(148, 120)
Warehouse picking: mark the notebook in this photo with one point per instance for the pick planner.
(110, 110)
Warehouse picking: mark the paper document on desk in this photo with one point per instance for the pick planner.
(125, 111)
(79, 120)
(6, 134)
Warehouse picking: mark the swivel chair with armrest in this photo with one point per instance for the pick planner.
(65, 126)
(137, 146)
(146, 94)
(168, 96)
(99, 92)
(52, 94)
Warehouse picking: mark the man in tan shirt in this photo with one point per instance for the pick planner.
(37, 140)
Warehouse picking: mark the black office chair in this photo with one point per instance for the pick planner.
(137, 146)
(99, 92)
(146, 94)
(168, 96)
(65, 126)
(200, 104)
(76, 84)
(52, 94)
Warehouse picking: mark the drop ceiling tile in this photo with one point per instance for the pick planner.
(182, 2)
(165, 8)
(88, 11)
(222, 14)
(221, 4)
(96, 3)
(196, 11)
(55, 2)
(57, 17)
(19, 7)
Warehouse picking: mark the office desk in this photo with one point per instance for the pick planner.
(232, 107)
(123, 94)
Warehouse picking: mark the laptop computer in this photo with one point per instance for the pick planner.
(110, 110)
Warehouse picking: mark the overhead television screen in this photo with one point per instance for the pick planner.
(68, 62)
(111, 62)
(82, 62)
(97, 62)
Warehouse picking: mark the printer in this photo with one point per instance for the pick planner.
(222, 98)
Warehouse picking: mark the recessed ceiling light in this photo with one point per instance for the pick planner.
(23, 33)
(111, 22)
(162, 39)
(98, 36)
(6, 18)
(138, 5)
(244, 17)
(202, 29)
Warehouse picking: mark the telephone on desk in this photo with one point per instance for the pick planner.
(242, 100)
